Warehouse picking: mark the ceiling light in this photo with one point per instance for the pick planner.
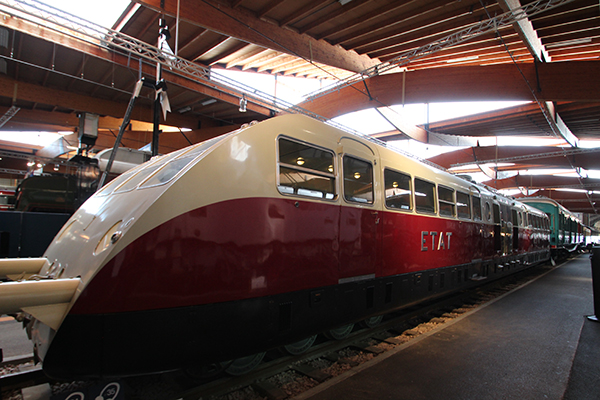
(569, 43)
(344, 2)
(209, 101)
(462, 59)
(300, 161)
(30, 164)
(243, 103)
(357, 175)
(184, 109)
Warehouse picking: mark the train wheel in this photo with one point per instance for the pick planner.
(243, 365)
(300, 346)
(339, 333)
(372, 322)
(205, 371)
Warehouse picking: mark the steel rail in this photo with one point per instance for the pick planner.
(399, 318)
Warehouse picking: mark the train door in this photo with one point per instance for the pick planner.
(359, 219)
(507, 229)
(497, 227)
(516, 220)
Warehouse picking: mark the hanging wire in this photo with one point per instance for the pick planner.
(549, 120)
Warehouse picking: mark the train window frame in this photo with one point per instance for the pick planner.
(351, 196)
(446, 201)
(463, 205)
(307, 191)
(419, 208)
(388, 203)
(477, 211)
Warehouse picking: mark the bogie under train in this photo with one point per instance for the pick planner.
(262, 237)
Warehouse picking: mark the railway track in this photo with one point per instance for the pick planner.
(285, 376)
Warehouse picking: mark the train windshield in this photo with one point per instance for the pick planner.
(170, 169)
(159, 170)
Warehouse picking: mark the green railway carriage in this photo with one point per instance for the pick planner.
(567, 231)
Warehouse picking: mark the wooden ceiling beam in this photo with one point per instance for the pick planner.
(485, 46)
(526, 32)
(420, 37)
(278, 62)
(573, 26)
(564, 81)
(544, 181)
(240, 59)
(224, 54)
(193, 40)
(346, 8)
(578, 13)
(61, 122)
(207, 47)
(38, 94)
(529, 36)
(243, 25)
(270, 6)
(303, 11)
(261, 58)
(421, 23)
(363, 19)
(208, 89)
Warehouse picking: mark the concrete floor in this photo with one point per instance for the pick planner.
(524, 345)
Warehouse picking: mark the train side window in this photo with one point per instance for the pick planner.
(358, 180)
(463, 205)
(487, 212)
(397, 190)
(306, 170)
(446, 205)
(476, 208)
(424, 196)
(496, 209)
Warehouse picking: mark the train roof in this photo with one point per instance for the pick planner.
(547, 200)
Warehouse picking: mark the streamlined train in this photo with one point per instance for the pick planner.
(257, 239)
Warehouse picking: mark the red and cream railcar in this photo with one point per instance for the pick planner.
(262, 237)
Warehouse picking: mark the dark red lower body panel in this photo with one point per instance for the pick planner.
(131, 343)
